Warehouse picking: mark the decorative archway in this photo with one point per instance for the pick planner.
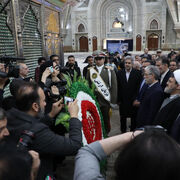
(94, 43)
(81, 28)
(83, 44)
(153, 40)
(102, 8)
(154, 24)
(138, 42)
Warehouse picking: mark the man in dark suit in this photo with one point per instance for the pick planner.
(146, 55)
(129, 80)
(23, 72)
(142, 90)
(170, 107)
(152, 99)
(143, 85)
(163, 64)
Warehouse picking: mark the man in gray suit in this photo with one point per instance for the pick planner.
(109, 77)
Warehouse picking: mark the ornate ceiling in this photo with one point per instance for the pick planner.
(62, 3)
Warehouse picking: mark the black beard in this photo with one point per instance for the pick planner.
(40, 114)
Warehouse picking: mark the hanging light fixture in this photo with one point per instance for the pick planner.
(117, 23)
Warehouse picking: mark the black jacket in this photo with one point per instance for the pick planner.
(165, 80)
(1, 96)
(46, 142)
(85, 70)
(72, 69)
(128, 90)
(168, 114)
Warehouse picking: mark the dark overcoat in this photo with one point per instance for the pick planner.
(128, 90)
(150, 105)
(168, 114)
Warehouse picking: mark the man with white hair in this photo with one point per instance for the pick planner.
(23, 70)
(170, 107)
(152, 99)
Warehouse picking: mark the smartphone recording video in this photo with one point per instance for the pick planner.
(51, 69)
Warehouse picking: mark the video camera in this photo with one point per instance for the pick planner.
(61, 88)
(13, 69)
(63, 69)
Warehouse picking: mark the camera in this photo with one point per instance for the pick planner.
(63, 69)
(13, 69)
(68, 99)
(25, 140)
(61, 88)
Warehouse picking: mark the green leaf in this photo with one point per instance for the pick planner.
(68, 79)
(63, 118)
(75, 76)
(80, 79)
(69, 83)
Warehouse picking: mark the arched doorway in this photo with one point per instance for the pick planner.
(83, 44)
(138, 42)
(94, 43)
(153, 40)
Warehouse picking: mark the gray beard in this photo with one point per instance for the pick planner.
(168, 91)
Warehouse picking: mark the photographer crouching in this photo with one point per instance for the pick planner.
(30, 102)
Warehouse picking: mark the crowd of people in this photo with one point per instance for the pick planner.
(147, 89)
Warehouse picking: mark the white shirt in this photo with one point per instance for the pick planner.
(173, 96)
(99, 68)
(163, 75)
(128, 74)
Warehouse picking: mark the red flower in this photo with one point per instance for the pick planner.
(91, 122)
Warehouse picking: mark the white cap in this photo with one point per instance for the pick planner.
(177, 75)
(98, 53)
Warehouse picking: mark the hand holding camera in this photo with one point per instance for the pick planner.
(73, 109)
(56, 108)
(45, 74)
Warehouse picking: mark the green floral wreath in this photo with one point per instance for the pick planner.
(73, 89)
